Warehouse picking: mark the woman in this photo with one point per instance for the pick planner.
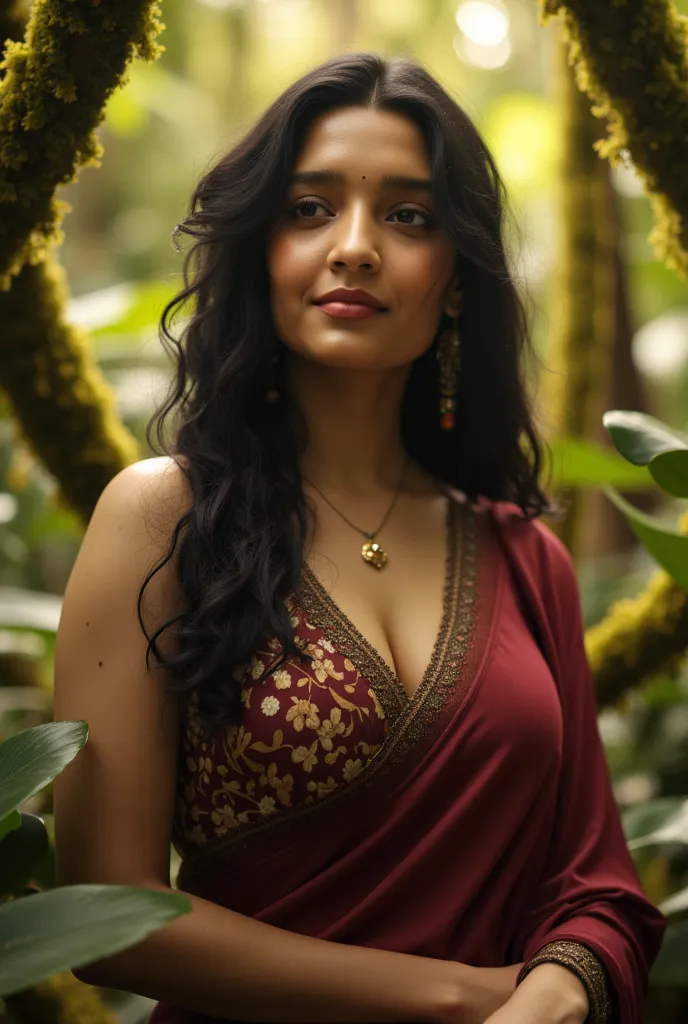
(368, 722)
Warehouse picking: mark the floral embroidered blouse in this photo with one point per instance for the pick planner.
(311, 726)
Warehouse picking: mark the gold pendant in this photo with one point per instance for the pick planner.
(374, 555)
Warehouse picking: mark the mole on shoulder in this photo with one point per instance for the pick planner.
(100, 664)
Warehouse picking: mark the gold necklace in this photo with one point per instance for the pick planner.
(371, 551)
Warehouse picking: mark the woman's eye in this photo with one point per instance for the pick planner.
(310, 209)
(307, 209)
(406, 218)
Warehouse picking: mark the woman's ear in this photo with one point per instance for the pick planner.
(454, 298)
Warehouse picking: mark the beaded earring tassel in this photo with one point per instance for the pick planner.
(448, 358)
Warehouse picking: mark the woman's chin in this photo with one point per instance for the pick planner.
(356, 363)
(346, 354)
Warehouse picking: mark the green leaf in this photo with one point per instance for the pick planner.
(673, 828)
(667, 546)
(73, 926)
(22, 853)
(581, 464)
(31, 759)
(670, 472)
(670, 966)
(675, 904)
(10, 823)
(645, 441)
(645, 818)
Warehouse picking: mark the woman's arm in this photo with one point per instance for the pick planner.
(114, 808)
(216, 962)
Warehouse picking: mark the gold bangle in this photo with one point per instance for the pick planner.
(587, 968)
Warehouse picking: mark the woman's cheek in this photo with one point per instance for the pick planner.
(420, 274)
(278, 258)
(293, 265)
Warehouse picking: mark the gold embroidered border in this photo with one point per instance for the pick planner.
(410, 717)
(447, 678)
(586, 966)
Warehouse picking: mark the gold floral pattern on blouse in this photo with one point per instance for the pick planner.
(307, 729)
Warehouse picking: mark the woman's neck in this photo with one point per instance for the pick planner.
(354, 431)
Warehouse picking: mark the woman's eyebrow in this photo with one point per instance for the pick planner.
(335, 177)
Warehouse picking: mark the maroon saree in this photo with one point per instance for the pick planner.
(474, 821)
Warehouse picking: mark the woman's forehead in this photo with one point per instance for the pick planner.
(358, 141)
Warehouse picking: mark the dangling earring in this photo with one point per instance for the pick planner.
(448, 357)
(272, 395)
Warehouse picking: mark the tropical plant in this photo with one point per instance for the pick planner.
(646, 442)
(69, 926)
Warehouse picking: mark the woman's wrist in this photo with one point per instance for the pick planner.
(558, 991)
(583, 965)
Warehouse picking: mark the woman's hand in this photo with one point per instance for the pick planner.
(550, 994)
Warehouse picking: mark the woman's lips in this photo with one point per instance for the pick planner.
(348, 310)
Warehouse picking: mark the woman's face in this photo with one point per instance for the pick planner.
(359, 215)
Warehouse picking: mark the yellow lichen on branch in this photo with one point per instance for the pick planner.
(631, 58)
(56, 390)
(52, 98)
(639, 637)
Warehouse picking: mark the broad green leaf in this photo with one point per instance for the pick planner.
(22, 853)
(667, 546)
(33, 758)
(581, 464)
(670, 966)
(672, 829)
(645, 818)
(645, 441)
(670, 471)
(75, 925)
(675, 904)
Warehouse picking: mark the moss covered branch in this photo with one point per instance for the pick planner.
(631, 58)
(56, 390)
(52, 98)
(639, 637)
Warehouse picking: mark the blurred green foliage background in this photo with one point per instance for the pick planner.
(224, 61)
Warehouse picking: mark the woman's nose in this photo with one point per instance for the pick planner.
(355, 246)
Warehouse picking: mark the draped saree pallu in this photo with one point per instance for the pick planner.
(473, 821)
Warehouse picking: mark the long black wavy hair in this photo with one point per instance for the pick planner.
(240, 543)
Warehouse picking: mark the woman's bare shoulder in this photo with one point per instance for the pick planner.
(150, 482)
(146, 498)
